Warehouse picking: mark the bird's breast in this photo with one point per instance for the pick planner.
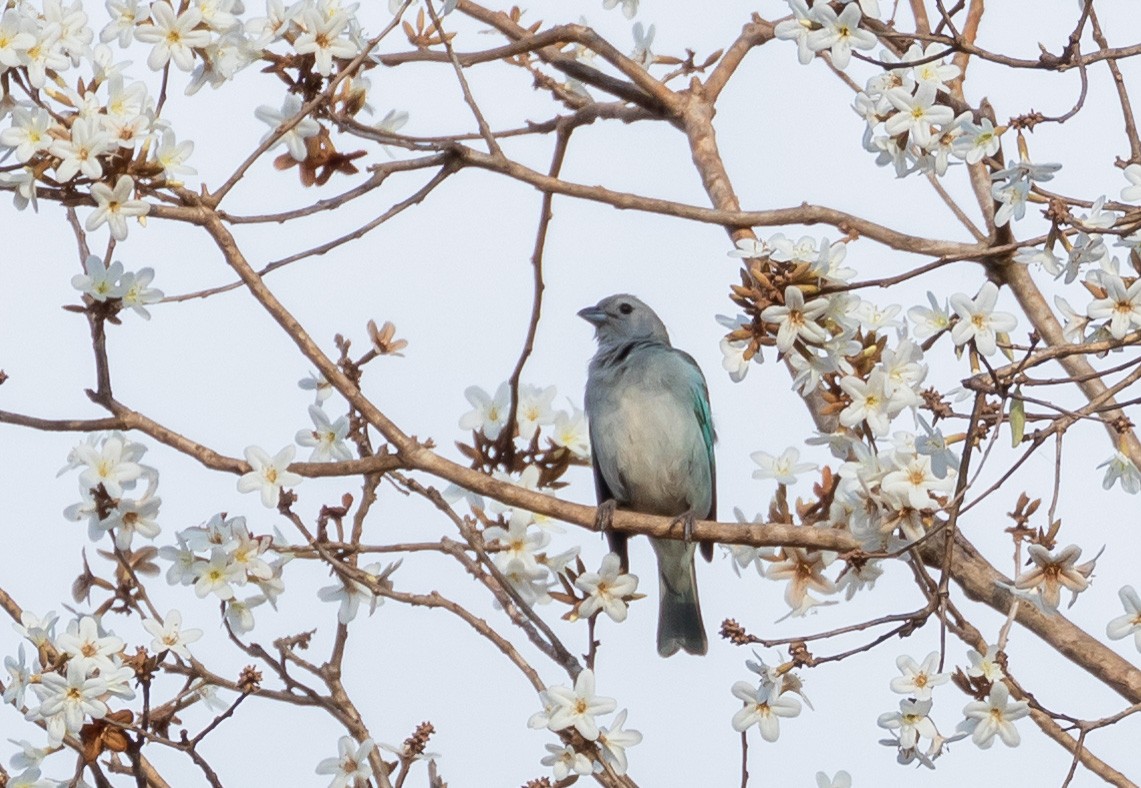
(651, 452)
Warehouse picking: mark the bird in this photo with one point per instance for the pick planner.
(651, 435)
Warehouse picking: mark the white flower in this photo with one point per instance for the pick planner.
(914, 481)
(733, 358)
(976, 141)
(269, 474)
(351, 764)
(841, 780)
(327, 438)
(350, 593)
(138, 295)
(239, 613)
(607, 590)
(1043, 257)
(916, 113)
(993, 716)
(533, 410)
(797, 29)
(912, 722)
(1028, 171)
(171, 155)
(629, 7)
(935, 72)
(1051, 573)
(16, 38)
(28, 134)
(66, 701)
(763, 707)
(784, 468)
(100, 282)
(873, 318)
(170, 635)
(38, 631)
(294, 139)
(643, 43)
(839, 33)
(112, 465)
(45, 55)
(114, 206)
(1121, 305)
(978, 320)
(570, 431)
(803, 570)
(796, 319)
(130, 517)
(321, 388)
(917, 680)
(488, 416)
(1132, 192)
(322, 39)
(215, 575)
(1130, 623)
(929, 322)
(577, 708)
(869, 7)
(174, 36)
(613, 742)
(870, 402)
(566, 760)
(1120, 466)
(985, 665)
(20, 676)
(23, 184)
(751, 248)
(81, 151)
(1098, 218)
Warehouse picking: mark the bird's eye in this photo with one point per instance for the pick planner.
(625, 308)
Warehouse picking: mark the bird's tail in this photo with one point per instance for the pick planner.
(679, 611)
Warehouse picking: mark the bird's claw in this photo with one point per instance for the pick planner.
(603, 521)
(687, 520)
(604, 515)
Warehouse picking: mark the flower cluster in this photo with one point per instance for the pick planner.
(220, 558)
(518, 544)
(910, 124)
(885, 495)
(566, 708)
(991, 714)
(100, 132)
(109, 474)
(77, 687)
(517, 456)
(767, 700)
(534, 411)
(117, 288)
(820, 28)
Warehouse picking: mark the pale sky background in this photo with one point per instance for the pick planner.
(453, 274)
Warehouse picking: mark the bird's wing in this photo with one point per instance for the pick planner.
(603, 493)
(699, 392)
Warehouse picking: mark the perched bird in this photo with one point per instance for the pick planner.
(651, 437)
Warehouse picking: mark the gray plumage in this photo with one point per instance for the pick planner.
(651, 438)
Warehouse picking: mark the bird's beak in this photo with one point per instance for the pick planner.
(593, 315)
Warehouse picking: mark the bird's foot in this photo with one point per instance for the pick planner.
(604, 515)
(687, 521)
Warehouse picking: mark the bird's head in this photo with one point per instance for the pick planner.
(622, 317)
